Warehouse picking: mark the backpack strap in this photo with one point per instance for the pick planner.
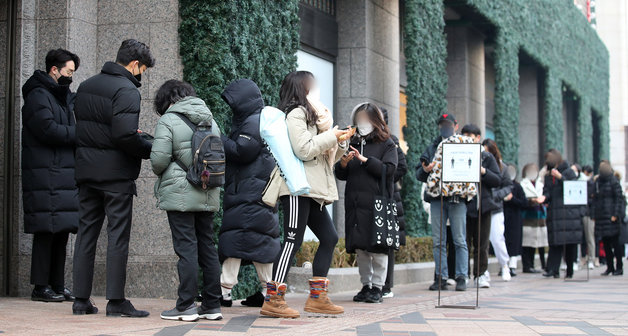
(193, 128)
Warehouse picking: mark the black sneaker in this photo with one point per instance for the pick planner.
(83, 307)
(461, 284)
(209, 313)
(374, 296)
(255, 300)
(361, 296)
(67, 294)
(124, 309)
(225, 303)
(190, 314)
(46, 295)
(443, 285)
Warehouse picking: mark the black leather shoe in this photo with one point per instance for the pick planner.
(255, 300)
(556, 275)
(531, 270)
(67, 294)
(619, 272)
(124, 309)
(46, 295)
(82, 307)
(608, 272)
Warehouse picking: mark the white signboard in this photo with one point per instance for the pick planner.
(575, 192)
(461, 162)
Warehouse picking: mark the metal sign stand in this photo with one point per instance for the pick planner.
(440, 250)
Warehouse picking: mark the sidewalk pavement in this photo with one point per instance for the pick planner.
(528, 305)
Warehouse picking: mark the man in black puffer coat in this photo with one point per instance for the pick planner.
(607, 209)
(402, 169)
(49, 191)
(250, 229)
(110, 149)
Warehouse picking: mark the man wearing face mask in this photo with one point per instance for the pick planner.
(49, 191)
(454, 210)
(110, 148)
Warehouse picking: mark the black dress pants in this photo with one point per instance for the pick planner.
(94, 204)
(555, 256)
(48, 259)
(614, 250)
(480, 248)
(193, 241)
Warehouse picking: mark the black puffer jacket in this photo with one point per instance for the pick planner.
(495, 203)
(564, 222)
(402, 169)
(48, 139)
(607, 202)
(363, 183)
(109, 148)
(489, 180)
(250, 229)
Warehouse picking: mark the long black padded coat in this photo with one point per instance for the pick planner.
(607, 201)
(250, 229)
(109, 148)
(564, 222)
(363, 183)
(48, 138)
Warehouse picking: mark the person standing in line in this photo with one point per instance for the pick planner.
(490, 178)
(564, 222)
(534, 214)
(319, 146)
(499, 195)
(49, 191)
(608, 209)
(110, 149)
(190, 209)
(250, 228)
(588, 243)
(453, 206)
(513, 220)
(373, 153)
(400, 172)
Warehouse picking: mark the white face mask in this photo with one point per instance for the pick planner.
(365, 128)
(314, 94)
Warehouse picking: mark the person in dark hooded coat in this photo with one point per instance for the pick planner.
(250, 229)
(50, 195)
(402, 169)
(564, 222)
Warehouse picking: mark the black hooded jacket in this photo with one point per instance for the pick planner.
(250, 229)
(48, 139)
(109, 148)
(607, 201)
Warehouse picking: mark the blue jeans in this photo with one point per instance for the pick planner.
(457, 215)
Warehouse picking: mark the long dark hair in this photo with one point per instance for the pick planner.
(293, 93)
(492, 148)
(381, 132)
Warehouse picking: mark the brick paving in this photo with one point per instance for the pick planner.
(528, 305)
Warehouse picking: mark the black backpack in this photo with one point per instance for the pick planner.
(208, 156)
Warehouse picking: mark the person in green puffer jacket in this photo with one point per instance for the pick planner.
(190, 209)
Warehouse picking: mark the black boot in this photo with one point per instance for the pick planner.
(255, 300)
(45, 294)
(608, 271)
(83, 306)
(124, 308)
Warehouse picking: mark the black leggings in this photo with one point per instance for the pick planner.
(299, 212)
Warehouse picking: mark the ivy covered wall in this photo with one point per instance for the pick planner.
(223, 40)
(554, 33)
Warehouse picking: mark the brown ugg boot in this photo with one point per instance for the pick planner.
(275, 304)
(318, 302)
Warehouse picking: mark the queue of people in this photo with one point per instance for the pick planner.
(82, 154)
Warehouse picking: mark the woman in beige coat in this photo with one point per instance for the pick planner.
(316, 143)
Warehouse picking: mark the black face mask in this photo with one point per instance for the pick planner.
(64, 80)
(139, 75)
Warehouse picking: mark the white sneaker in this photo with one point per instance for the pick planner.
(388, 295)
(590, 265)
(575, 266)
(483, 282)
(505, 273)
(563, 267)
(487, 275)
(451, 282)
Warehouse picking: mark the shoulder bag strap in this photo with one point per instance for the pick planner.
(193, 128)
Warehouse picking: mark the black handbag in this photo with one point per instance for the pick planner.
(386, 229)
